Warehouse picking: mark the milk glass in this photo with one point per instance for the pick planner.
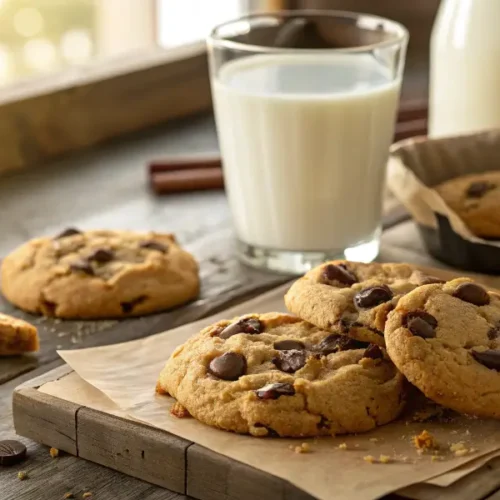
(305, 105)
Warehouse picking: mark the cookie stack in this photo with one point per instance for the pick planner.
(341, 363)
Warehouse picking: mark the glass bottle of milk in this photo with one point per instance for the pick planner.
(465, 68)
(305, 132)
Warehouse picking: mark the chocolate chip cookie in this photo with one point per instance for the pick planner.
(476, 199)
(353, 298)
(96, 274)
(445, 339)
(17, 336)
(275, 375)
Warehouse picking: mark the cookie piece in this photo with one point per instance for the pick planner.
(273, 374)
(445, 339)
(476, 199)
(353, 298)
(17, 336)
(97, 274)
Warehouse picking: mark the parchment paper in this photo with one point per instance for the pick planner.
(127, 373)
(417, 164)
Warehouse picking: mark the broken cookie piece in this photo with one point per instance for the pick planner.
(17, 336)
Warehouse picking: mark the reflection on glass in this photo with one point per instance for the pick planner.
(43, 36)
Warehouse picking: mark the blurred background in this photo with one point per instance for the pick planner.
(68, 66)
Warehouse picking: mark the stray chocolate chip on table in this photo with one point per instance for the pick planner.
(228, 366)
(11, 452)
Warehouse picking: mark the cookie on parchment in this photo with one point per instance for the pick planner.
(476, 199)
(445, 339)
(275, 375)
(17, 336)
(96, 274)
(353, 298)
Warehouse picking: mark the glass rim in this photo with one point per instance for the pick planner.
(398, 29)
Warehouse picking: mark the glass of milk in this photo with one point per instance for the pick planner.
(305, 105)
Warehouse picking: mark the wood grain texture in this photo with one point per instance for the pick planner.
(131, 447)
(81, 107)
(39, 417)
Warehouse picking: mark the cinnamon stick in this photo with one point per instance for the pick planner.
(189, 179)
(185, 162)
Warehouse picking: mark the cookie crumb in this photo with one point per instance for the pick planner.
(87, 494)
(303, 448)
(457, 446)
(461, 453)
(436, 458)
(384, 459)
(54, 452)
(22, 475)
(179, 411)
(68, 495)
(374, 440)
(342, 446)
(425, 441)
(370, 459)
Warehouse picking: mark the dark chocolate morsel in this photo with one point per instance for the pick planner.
(11, 452)
(228, 366)
(290, 361)
(101, 255)
(251, 326)
(421, 324)
(332, 273)
(154, 245)
(373, 351)
(489, 358)
(373, 296)
(71, 231)
(287, 345)
(128, 307)
(479, 188)
(472, 293)
(494, 333)
(274, 391)
(335, 343)
(82, 266)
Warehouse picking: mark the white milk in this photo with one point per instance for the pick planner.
(465, 67)
(305, 140)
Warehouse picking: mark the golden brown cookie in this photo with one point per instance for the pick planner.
(446, 340)
(273, 374)
(96, 274)
(353, 298)
(17, 336)
(476, 199)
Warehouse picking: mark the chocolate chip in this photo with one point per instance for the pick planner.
(332, 273)
(128, 307)
(290, 361)
(489, 358)
(71, 231)
(274, 391)
(421, 324)
(101, 255)
(335, 343)
(373, 296)
(270, 432)
(11, 452)
(288, 345)
(154, 245)
(251, 326)
(494, 333)
(479, 189)
(324, 423)
(82, 266)
(373, 351)
(470, 292)
(228, 366)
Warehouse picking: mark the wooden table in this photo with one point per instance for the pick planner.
(107, 188)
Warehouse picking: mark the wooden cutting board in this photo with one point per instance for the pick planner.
(56, 410)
